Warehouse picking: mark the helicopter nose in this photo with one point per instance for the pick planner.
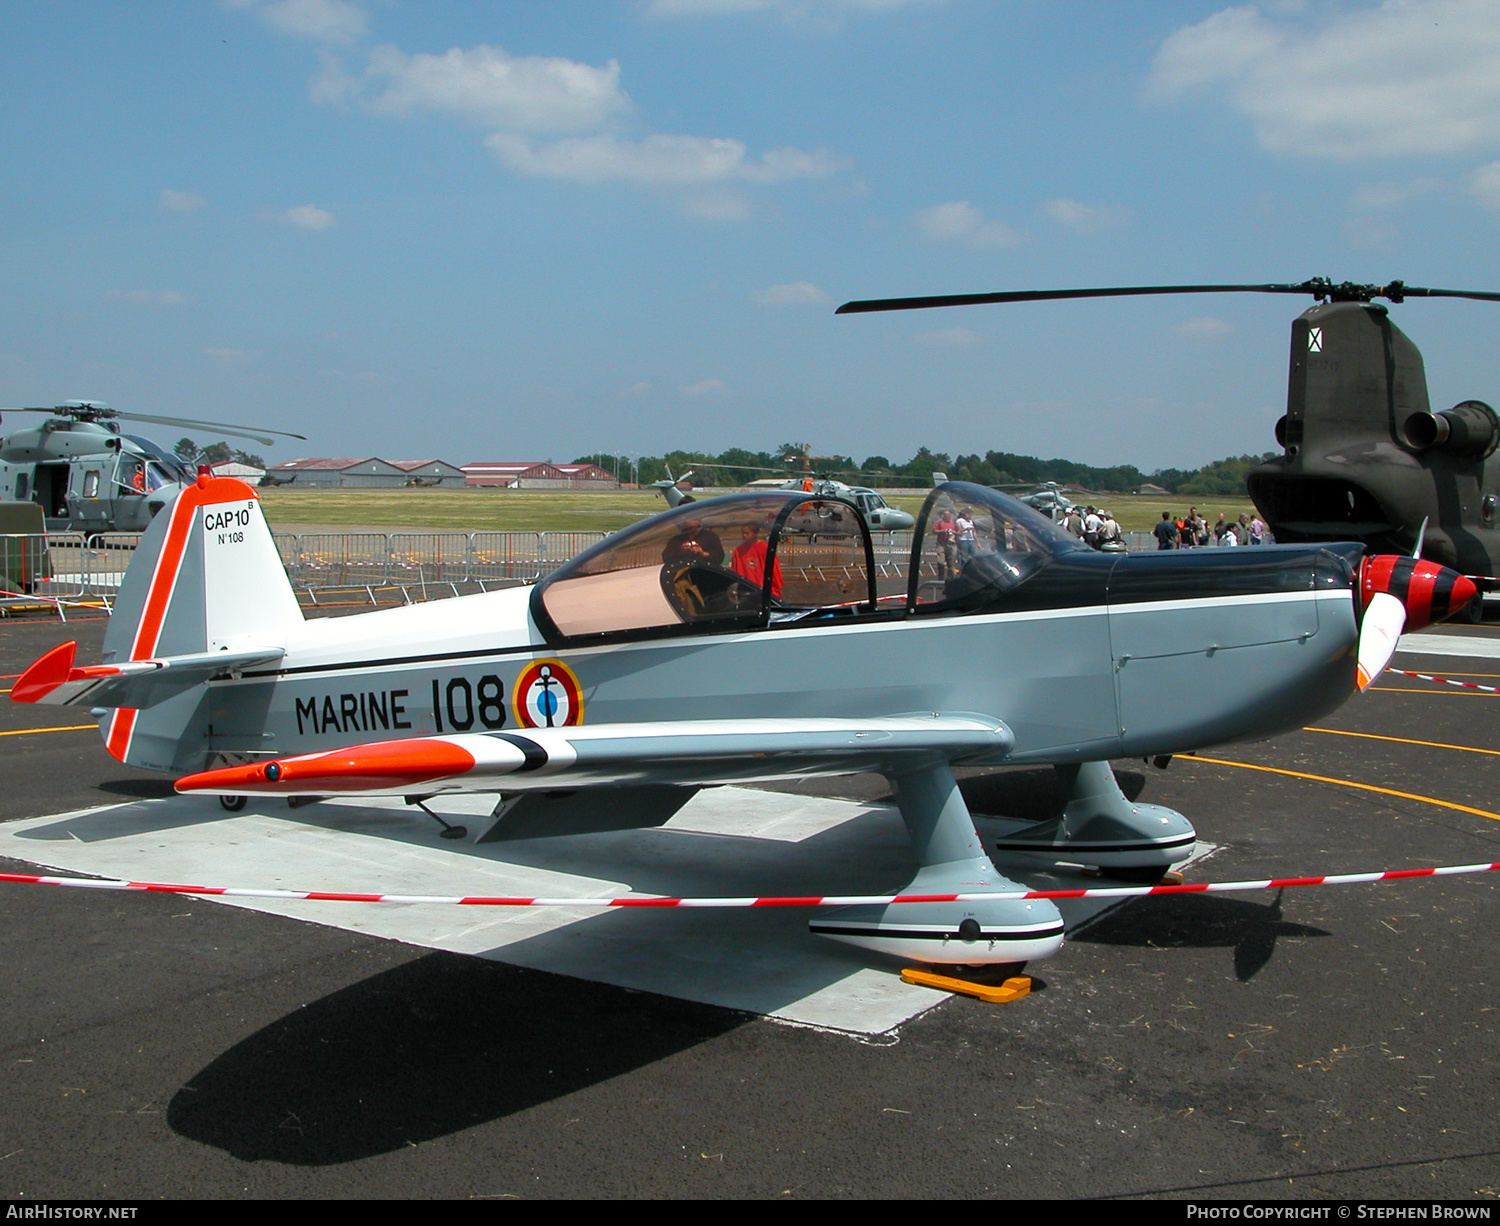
(1428, 591)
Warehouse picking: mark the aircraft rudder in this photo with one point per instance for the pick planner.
(206, 576)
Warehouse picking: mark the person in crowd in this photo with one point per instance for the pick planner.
(963, 530)
(942, 533)
(1165, 532)
(748, 560)
(694, 543)
(1092, 522)
(1110, 530)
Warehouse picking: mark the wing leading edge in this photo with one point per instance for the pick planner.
(685, 752)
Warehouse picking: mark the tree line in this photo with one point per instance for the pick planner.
(737, 466)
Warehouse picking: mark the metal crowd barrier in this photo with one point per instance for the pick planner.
(61, 567)
(494, 556)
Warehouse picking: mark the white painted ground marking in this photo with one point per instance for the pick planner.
(726, 841)
(1450, 645)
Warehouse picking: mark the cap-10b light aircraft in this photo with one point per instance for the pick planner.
(727, 640)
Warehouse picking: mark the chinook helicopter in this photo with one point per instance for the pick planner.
(88, 476)
(1364, 457)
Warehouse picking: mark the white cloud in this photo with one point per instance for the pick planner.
(229, 357)
(638, 389)
(1203, 328)
(307, 217)
(1403, 77)
(787, 8)
(1085, 218)
(795, 293)
(148, 297)
(718, 204)
(960, 220)
(1393, 195)
(949, 338)
(555, 118)
(655, 161)
(181, 202)
(334, 21)
(705, 387)
(1485, 184)
(485, 85)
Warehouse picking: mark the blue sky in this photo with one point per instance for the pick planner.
(523, 230)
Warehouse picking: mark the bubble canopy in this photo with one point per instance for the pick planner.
(973, 545)
(781, 558)
(732, 563)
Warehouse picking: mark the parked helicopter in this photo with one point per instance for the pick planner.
(88, 476)
(1048, 498)
(877, 512)
(793, 655)
(1364, 457)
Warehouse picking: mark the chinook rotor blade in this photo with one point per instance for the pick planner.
(1047, 295)
(1398, 291)
(1320, 288)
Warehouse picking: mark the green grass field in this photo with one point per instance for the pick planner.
(577, 510)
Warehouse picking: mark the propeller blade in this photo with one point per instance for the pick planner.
(1421, 536)
(1379, 631)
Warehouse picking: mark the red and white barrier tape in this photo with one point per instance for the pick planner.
(1132, 891)
(1468, 685)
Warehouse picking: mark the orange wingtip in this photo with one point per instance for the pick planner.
(45, 675)
(360, 768)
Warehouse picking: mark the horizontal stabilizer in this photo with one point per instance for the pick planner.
(54, 681)
(684, 752)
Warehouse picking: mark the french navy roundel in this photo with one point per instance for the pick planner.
(547, 695)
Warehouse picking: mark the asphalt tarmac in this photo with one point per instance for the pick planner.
(1325, 1042)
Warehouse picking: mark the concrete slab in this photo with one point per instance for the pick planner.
(1449, 645)
(726, 842)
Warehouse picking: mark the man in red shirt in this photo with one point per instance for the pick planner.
(749, 560)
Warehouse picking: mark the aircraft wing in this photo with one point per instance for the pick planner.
(54, 681)
(687, 752)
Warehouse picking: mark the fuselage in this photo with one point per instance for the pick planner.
(1106, 656)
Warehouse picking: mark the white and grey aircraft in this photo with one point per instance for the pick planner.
(727, 640)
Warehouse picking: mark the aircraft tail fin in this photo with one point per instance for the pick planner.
(206, 577)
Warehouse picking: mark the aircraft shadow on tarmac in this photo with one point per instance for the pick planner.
(139, 789)
(1202, 921)
(430, 1048)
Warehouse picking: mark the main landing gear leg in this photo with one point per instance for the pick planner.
(952, 861)
(1099, 827)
